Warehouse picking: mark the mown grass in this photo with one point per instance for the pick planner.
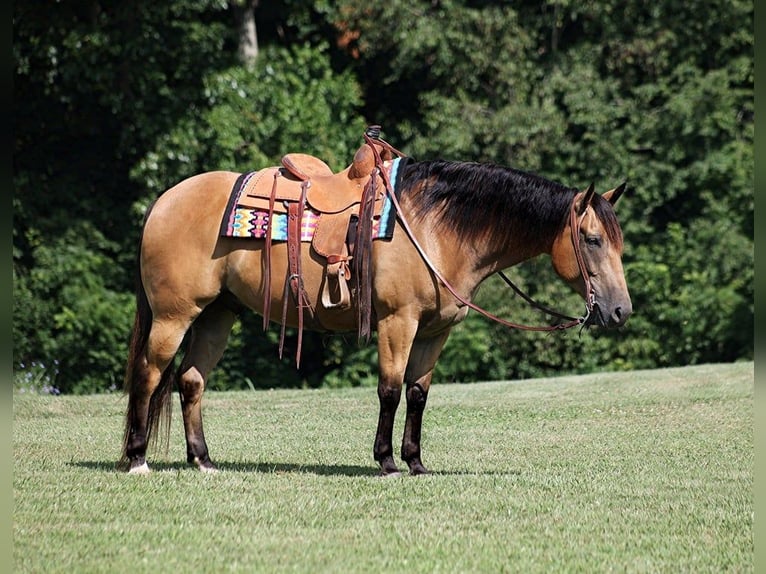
(647, 471)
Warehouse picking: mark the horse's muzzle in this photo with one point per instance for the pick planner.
(614, 317)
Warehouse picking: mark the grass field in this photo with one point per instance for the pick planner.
(648, 471)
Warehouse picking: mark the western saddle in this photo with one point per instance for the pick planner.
(346, 203)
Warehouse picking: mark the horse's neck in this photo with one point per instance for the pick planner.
(494, 260)
(470, 261)
(465, 264)
(527, 238)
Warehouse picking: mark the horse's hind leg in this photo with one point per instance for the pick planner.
(149, 384)
(208, 337)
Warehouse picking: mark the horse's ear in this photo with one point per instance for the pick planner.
(614, 194)
(586, 199)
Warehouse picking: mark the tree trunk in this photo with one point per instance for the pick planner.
(248, 35)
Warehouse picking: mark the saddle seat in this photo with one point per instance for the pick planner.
(305, 166)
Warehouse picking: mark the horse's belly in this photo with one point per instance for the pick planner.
(247, 280)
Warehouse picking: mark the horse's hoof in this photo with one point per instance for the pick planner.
(416, 467)
(388, 467)
(203, 464)
(390, 474)
(141, 469)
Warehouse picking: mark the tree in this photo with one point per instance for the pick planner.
(94, 87)
(113, 104)
(661, 96)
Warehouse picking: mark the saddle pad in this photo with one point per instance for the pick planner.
(246, 222)
(251, 223)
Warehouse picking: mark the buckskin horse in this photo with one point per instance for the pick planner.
(454, 224)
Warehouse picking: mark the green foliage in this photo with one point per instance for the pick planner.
(68, 320)
(291, 101)
(349, 364)
(114, 104)
(720, 298)
(252, 358)
(94, 87)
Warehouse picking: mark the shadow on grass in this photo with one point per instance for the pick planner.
(251, 467)
(281, 468)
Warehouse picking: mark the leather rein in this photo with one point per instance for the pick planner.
(575, 221)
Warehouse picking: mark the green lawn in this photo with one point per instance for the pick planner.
(647, 471)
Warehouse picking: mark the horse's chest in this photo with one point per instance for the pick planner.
(441, 320)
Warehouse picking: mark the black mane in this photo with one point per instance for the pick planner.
(474, 199)
(479, 200)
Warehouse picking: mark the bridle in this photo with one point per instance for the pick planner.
(575, 222)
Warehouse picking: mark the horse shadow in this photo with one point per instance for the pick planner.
(284, 468)
(244, 467)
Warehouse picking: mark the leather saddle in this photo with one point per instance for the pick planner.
(345, 202)
(326, 192)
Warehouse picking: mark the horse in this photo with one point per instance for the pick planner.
(457, 223)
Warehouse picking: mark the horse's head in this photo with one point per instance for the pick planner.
(587, 254)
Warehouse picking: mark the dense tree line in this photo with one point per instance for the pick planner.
(114, 103)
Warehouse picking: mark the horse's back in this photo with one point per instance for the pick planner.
(204, 193)
(179, 240)
(184, 260)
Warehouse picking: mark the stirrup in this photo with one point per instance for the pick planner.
(335, 293)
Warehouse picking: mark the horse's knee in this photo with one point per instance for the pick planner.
(191, 384)
(389, 395)
(416, 398)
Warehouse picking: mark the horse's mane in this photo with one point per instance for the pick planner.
(482, 200)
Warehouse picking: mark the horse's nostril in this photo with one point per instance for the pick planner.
(617, 317)
(620, 314)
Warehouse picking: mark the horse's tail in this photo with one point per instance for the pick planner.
(159, 405)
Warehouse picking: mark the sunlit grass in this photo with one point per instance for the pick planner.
(647, 471)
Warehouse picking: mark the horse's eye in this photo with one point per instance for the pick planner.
(593, 240)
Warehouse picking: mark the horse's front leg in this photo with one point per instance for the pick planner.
(418, 378)
(395, 335)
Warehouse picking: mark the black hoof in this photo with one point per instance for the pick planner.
(388, 467)
(417, 468)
